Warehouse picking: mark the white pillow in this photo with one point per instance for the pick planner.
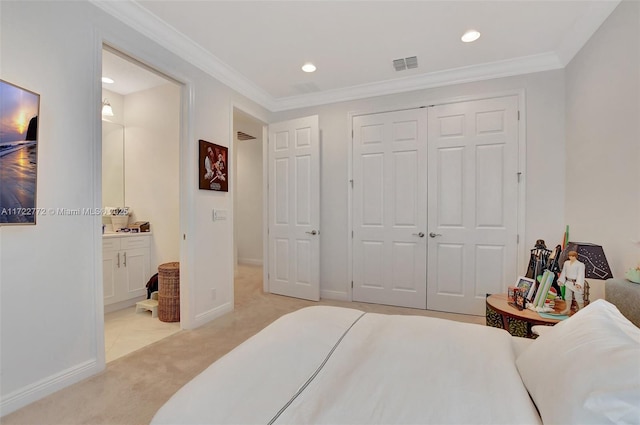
(587, 370)
(541, 329)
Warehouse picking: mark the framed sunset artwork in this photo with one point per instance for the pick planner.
(19, 111)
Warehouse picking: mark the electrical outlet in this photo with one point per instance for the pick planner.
(213, 294)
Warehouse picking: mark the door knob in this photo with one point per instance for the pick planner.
(313, 232)
(420, 235)
(433, 235)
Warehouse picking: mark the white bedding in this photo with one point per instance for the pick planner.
(342, 366)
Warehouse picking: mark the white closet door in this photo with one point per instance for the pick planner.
(473, 202)
(294, 208)
(389, 208)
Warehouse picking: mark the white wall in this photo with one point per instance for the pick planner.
(152, 174)
(603, 141)
(544, 162)
(249, 193)
(54, 267)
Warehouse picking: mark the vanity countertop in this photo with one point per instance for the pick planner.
(124, 234)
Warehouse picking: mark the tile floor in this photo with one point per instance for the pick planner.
(126, 331)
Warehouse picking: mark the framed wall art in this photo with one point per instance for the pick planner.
(213, 170)
(19, 111)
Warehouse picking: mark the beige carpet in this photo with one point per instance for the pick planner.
(133, 388)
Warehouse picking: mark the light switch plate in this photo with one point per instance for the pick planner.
(219, 215)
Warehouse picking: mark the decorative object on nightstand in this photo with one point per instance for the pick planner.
(594, 260)
(633, 275)
(511, 293)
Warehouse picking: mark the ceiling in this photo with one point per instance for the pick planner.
(128, 76)
(258, 47)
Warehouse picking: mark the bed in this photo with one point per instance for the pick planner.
(336, 365)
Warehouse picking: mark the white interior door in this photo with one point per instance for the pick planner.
(473, 202)
(294, 208)
(389, 208)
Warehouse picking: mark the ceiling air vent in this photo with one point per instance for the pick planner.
(399, 65)
(412, 62)
(305, 88)
(244, 136)
(406, 63)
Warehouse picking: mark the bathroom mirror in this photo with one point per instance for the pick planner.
(112, 164)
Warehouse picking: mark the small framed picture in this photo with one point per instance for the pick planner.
(511, 293)
(528, 286)
(213, 167)
(521, 301)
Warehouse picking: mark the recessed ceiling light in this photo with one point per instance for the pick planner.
(308, 67)
(107, 80)
(470, 35)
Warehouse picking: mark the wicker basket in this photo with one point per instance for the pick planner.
(169, 292)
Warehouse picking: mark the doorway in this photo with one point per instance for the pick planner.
(141, 123)
(248, 228)
(435, 204)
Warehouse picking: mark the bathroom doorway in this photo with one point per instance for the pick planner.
(248, 201)
(141, 197)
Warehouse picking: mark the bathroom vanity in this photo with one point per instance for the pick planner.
(125, 268)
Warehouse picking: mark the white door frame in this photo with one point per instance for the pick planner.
(522, 164)
(265, 185)
(187, 173)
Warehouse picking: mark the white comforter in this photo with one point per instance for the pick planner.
(342, 366)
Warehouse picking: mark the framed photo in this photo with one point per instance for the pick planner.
(521, 302)
(511, 293)
(213, 166)
(19, 111)
(527, 286)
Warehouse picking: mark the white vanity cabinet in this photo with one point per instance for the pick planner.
(125, 268)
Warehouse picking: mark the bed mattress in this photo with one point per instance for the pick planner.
(343, 366)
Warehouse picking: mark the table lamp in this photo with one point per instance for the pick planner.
(594, 260)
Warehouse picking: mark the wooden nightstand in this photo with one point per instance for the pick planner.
(501, 314)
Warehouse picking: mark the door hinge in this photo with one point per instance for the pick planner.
(352, 234)
(518, 115)
(351, 134)
(519, 176)
(352, 284)
(517, 239)
(351, 181)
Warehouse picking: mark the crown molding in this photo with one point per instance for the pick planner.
(137, 17)
(499, 69)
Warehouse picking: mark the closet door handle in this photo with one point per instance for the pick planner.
(118, 260)
(125, 259)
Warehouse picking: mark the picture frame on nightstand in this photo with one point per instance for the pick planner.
(528, 286)
(521, 299)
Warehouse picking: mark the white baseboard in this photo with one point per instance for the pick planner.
(250, 261)
(334, 295)
(33, 392)
(209, 315)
